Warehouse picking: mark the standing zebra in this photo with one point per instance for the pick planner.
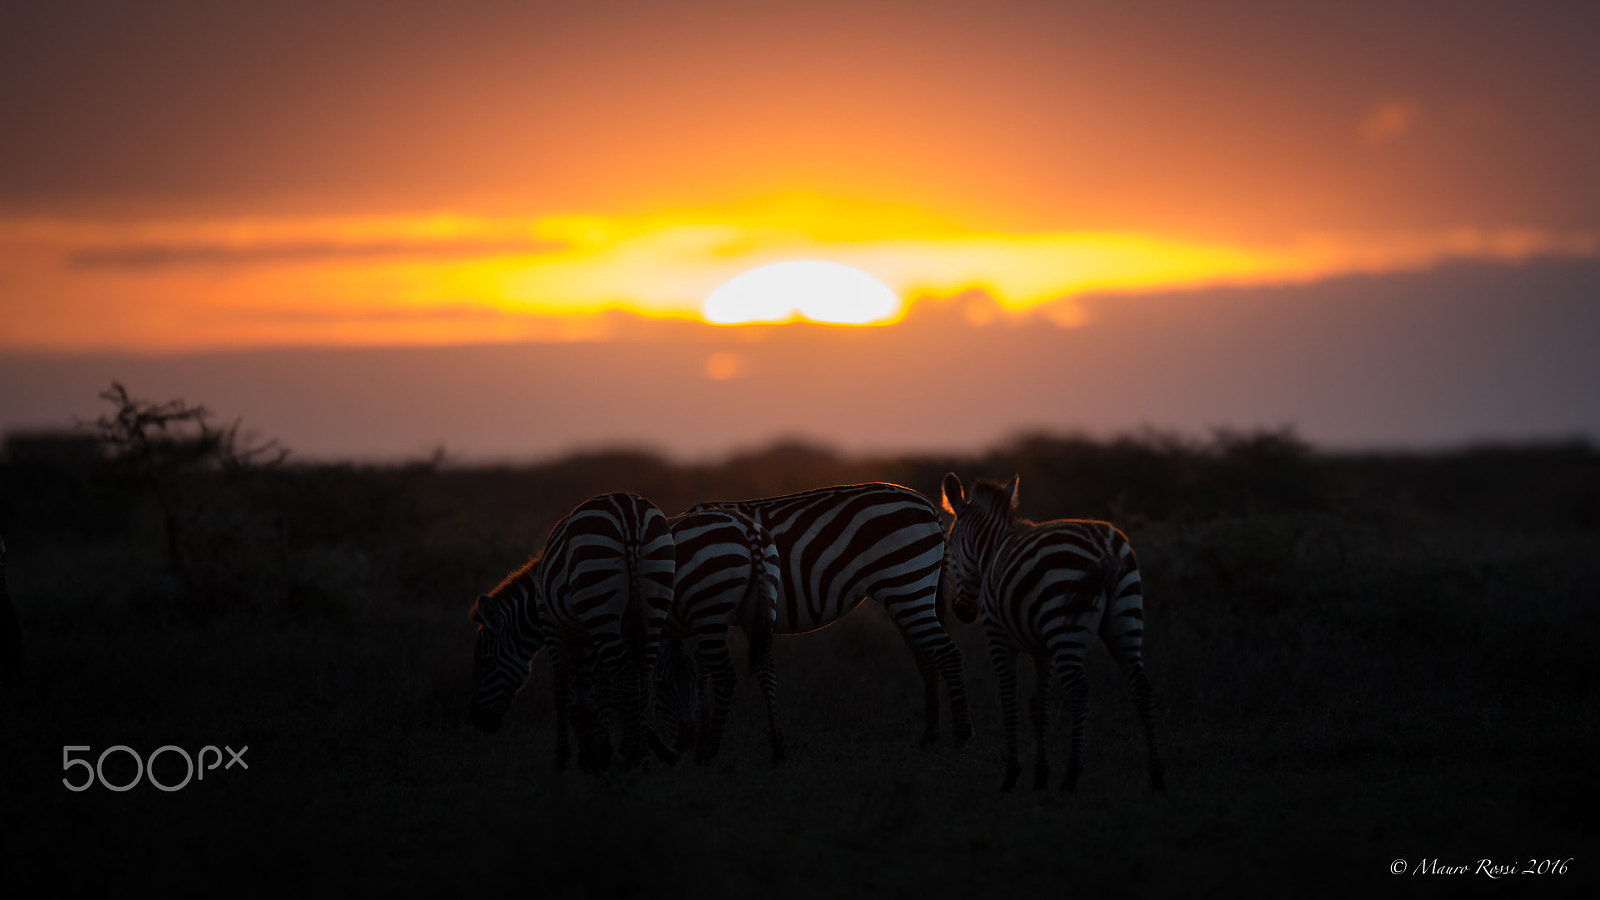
(1045, 588)
(727, 574)
(598, 596)
(839, 545)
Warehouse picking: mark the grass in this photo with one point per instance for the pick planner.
(1350, 672)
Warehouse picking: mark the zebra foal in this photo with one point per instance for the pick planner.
(598, 596)
(1045, 589)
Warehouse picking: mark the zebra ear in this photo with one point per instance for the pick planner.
(1012, 490)
(955, 500)
(490, 623)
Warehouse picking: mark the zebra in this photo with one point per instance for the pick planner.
(727, 574)
(839, 545)
(1043, 589)
(597, 596)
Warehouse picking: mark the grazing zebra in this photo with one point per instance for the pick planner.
(727, 574)
(598, 596)
(1044, 589)
(838, 545)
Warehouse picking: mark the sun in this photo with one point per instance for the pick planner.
(810, 289)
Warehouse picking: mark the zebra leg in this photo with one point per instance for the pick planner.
(1139, 688)
(934, 653)
(1123, 634)
(675, 696)
(1040, 709)
(1070, 670)
(1004, 657)
(715, 662)
(767, 676)
(949, 663)
(563, 697)
(652, 702)
(590, 709)
(702, 715)
(628, 695)
(930, 695)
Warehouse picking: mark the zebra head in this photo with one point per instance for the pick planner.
(980, 522)
(501, 657)
(675, 686)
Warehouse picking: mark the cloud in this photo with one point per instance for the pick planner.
(449, 312)
(161, 256)
(1388, 122)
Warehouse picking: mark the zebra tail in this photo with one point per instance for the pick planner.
(1098, 584)
(759, 600)
(944, 600)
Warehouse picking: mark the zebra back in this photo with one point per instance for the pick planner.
(838, 545)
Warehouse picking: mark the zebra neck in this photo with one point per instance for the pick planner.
(527, 626)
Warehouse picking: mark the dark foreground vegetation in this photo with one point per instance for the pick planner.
(1359, 660)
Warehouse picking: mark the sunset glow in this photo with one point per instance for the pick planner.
(814, 290)
(693, 192)
(164, 285)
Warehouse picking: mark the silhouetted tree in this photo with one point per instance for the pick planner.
(165, 445)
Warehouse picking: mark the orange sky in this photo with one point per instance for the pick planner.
(192, 176)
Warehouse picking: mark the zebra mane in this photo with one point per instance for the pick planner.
(524, 573)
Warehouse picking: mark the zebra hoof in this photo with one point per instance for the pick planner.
(961, 735)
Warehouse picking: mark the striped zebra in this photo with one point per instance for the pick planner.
(839, 545)
(727, 574)
(1044, 589)
(598, 597)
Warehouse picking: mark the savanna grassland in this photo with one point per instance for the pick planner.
(1358, 660)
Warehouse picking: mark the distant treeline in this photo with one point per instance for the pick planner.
(222, 534)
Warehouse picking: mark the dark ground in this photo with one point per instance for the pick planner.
(1358, 661)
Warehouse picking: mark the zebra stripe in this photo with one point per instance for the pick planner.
(598, 597)
(839, 545)
(727, 574)
(1045, 589)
